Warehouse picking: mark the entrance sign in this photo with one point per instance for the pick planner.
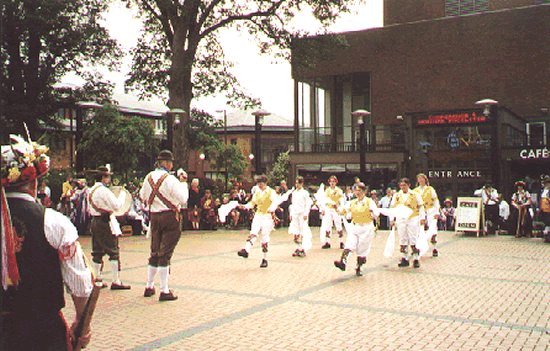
(468, 214)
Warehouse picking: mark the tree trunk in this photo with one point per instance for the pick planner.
(181, 93)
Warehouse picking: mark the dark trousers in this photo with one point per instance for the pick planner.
(103, 240)
(40, 331)
(165, 234)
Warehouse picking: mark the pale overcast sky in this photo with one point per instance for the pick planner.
(259, 74)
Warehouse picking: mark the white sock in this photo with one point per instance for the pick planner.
(250, 243)
(114, 271)
(164, 274)
(151, 273)
(97, 269)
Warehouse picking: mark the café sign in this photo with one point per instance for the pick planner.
(472, 117)
(538, 154)
(464, 173)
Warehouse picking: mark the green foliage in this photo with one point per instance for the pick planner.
(280, 169)
(201, 131)
(42, 40)
(228, 157)
(118, 140)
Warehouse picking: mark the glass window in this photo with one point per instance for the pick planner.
(465, 7)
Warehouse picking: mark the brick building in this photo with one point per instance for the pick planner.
(432, 58)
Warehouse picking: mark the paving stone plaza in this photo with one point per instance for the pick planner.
(488, 293)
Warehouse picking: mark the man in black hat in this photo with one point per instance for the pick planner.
(164, 195)
(489, 197)
(104, 234)
(521, 203)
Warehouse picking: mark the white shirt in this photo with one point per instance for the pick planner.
(273, 197)
(62, 235)
(171, 188)
(301, 202)
(436, 204)
(385, 201)
(104, 199)
(487, 199)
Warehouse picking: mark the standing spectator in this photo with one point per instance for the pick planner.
(545, 208)
(348, 194)
(80, 215)
(66, 193)
(448, 212)
(385, 203)
(208, 211)
(193, 204)
(285, 204)
(44, 194)
(489, 197)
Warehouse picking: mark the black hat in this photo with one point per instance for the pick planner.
(103, 170)
(165, 155)
(519, 183)
(546, 179)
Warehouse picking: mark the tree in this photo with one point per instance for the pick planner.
(180, 48)
(42, 40)
(280, 168)
(201, 131)
(228, 157)
(112, 138)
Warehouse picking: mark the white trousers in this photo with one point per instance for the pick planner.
(331, 216)
(359, 239)
(262, 224)
(299, 226)
(432, 222)
(407, 229)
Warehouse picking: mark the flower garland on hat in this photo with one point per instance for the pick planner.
(23, 161)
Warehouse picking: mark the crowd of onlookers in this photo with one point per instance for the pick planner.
(203, 206)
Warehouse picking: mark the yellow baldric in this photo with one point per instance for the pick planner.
(426, 195)
(262, 200)
(334, 196)
(360, 211)
(411, 202)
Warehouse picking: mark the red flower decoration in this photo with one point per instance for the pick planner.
(29, 173)
(42, 167)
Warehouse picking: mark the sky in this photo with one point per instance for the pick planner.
(260, 75)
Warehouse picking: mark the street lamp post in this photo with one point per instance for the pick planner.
(258, 122)
(360, 115)
(173, 118)
(489, 111)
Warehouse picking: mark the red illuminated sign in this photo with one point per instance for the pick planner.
(452, 118)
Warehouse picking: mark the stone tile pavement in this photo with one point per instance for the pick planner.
(488, 293)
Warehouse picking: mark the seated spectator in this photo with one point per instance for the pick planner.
(209, 217)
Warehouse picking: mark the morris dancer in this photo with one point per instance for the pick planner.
(431, 206)
(40, 255)
(299, 213)
(265, 200)
(545, 208)
(334, 197)
(164, 194)
(408, 229)
(359, 239)
(104, 239)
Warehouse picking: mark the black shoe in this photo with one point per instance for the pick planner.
(358, 272)
(342, 246)
(296, 253)
(264, 263)
(242, 253)
(149, 292)
(404, 263)
(301, 253)
(326, 246)
(115, 286)
(340, 264)
(435, 253)
(170, 296)
(416, 264)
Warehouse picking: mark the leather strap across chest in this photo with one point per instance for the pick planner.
(94, 206)
(155, 192)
